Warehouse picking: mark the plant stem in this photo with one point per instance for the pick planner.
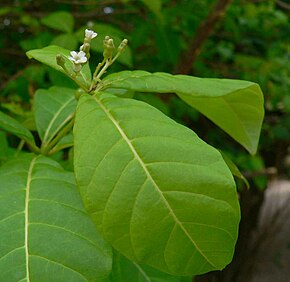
(103, 70)
(97, 76)
(34, 148)
(19, 147)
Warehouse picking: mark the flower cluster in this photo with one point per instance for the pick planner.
(80, 58)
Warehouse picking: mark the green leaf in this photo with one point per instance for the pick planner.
(158, 193)
(67, 40)
(53, 109)
(47, 56)
(4, 147)
(11, 125)
(46, 234)
(62, 21)
(127, 270)
(66, 142)
(97, 43)
(234, 169)
(234, 105)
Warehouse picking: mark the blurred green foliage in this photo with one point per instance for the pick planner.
(250, 42)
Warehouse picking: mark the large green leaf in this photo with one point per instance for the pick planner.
(46, 234)
(53, 109)
(127, 270)
(158, 193)
(62, 21)
(48, 55)
(13, 126)
(234, 105)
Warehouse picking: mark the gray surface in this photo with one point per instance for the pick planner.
(272, 262)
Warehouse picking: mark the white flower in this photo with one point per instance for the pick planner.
(90, 34)
(78, 57)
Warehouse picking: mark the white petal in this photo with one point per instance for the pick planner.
(94, 35)
(81, 54)
(73, 54)
(83, 60)
(71, 59)
(90, 34)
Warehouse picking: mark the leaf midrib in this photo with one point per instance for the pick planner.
(26, 213)
(142, 164)
(56, 115)
(143, 273)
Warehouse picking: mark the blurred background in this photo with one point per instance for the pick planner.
(239, 39)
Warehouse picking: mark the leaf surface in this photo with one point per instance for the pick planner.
(234, 105)
(54, 107)
(47, 56)
(13, 126)
(127, 270)
(46, 234)
(158, 194)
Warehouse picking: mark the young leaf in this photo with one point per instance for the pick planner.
(127, 270)
(48, 55)
(62, 21)
(45, 233)
(234, 105)
(158, 193)
(53, 109)
(11, 125)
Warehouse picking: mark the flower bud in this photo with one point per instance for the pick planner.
(79, 92)
(109, 47)
(123, 45)
(60, 60)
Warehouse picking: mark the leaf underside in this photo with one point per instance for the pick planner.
(236, 106)
(46, 234)
(158, 194)
(53, 107)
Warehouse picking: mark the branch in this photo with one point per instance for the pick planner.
(202, 33)
(283, 5)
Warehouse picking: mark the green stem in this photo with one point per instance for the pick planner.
(57, 148)
(97, 76)
(34, 148)
(19, 147)
(73, 77)
(45, 150)
(94, 80)
(103, 70)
